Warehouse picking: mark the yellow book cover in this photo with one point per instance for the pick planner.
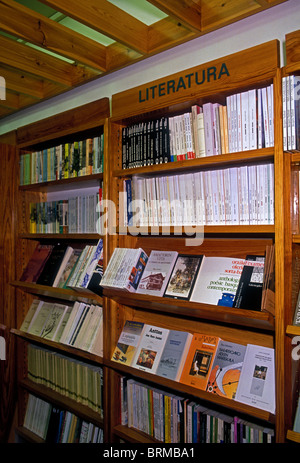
(128, 342)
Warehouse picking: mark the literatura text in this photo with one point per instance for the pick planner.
(150, 452)
(182, 83)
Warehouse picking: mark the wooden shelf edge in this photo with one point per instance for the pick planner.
(60, 236)
(190, 231)
(58, 293)
(64, 182)
(293, 436)
(264, 154)
(58, 346)
(228, 315)
(80, 410)
(292, 330)
(28, 435)
(191, 391)
(133, 435)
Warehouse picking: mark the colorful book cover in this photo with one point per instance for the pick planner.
(226, 369)
(199, 360)
(128, 342)
(157, 272)
(183, 277)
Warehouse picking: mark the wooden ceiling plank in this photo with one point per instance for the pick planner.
(35, 28)
(16, 101)
(167, 33)
(20, 56)
(22, 83)
(119, 56)
(218, 13)
(187, 12)
(106, 18)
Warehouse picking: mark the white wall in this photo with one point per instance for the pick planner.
(274, 23)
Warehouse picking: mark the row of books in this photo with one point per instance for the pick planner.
(72, 378)
(63, 266)
(226, 281)
(57, 426)
(67, 160)
(170, 418)
(232, 196)
(244, 123)
(77, 214)
(79, 324)
(291, 112)
(244, 373)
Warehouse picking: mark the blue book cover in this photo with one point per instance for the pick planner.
(174, 355)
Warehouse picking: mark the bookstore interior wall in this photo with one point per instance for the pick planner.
(159, 223)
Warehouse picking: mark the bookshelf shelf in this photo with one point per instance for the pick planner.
(57, 293)
(83, 181)
(78, 353)
(187, 309)
(133, 436)
(292, 330)
(61, 236)
(189, 230)
(184, 389)
(29, 436)
(64, 402)
(221, 160)
(293, 436)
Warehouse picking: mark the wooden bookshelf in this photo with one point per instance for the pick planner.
(250, 69)
(87, 121)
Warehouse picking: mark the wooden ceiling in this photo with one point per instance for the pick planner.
(50, 46)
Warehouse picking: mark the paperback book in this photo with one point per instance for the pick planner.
(226, 369)
(249, 290)
(157, 272)
(174, 354)
(183, 277)
(36, 263)
(217, 280)
(199, 360)
(150, 348)
(257, 381)
(128, 342)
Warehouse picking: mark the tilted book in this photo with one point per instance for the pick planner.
(226, 369)
(183, 276)
(199, 360)
(150, 348)
(128, 342)
(157, 272)
(249, 291)
(217, 280)
(174, 354)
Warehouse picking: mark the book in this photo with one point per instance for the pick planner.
(226, 369)
(53, 321)
(182, 279)
(199, 360)
(52, 265)
(150, 348)
(40, 318)
(174, 354)
(256, 386)
(296, 425)
(217, 280)
(68, 253)
(249, 291)
(63, 277)
(296, 317)
(36, 263)
(33, 309)
(128, 342)
(157, 273)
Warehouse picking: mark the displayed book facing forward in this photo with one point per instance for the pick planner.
(128, 342)
(199, 360)
(226, 369)
(183, 276)
(174, 354)
(36, 263)
(157, 272)
(217, 280)
(250, 287)
(150, 348)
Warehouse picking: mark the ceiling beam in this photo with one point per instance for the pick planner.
(17, 20)
(186, 12)
(20, 82)
(42, 65)
(106, 18)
